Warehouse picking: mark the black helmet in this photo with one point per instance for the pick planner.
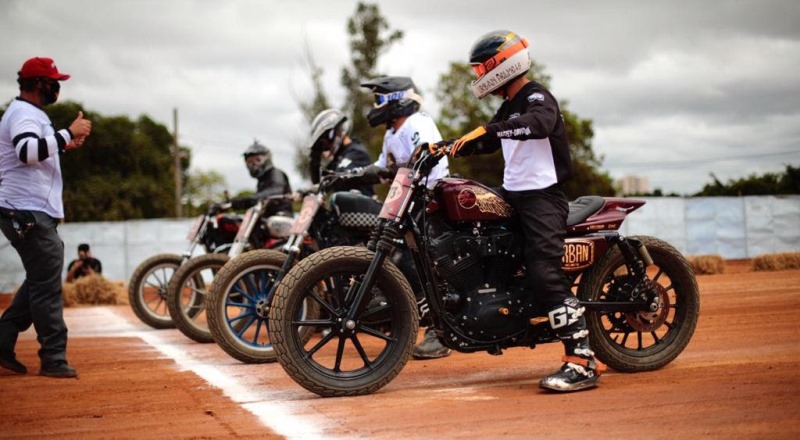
(257, 168)
(395, 96)
(330, 124)
(497, 58)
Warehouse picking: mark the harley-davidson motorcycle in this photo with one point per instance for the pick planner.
(147, 288)
(187, 291)
(240, 297)
(640, 294)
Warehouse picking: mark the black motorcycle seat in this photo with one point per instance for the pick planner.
(355, 210)
(581, 208)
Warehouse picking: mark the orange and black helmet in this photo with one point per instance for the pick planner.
(497, 58)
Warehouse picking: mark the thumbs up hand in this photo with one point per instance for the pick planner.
(80, 127)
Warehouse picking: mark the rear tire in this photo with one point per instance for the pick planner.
(642, 341)
(187, 294)
(147, 289)
(358, 356)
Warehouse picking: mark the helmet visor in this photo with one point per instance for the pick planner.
(508, 69)
(481, 69)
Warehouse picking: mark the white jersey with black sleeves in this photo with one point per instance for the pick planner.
(399, 145)
(30, 170)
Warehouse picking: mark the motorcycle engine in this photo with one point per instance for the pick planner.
(482, 270)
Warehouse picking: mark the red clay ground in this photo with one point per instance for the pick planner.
(739, 378)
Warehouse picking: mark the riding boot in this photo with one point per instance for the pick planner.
(580, 370)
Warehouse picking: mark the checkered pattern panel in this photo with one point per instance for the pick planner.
(358, 220)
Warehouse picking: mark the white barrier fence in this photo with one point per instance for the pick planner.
(733, 227)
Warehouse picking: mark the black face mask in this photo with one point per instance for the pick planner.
(49, 91)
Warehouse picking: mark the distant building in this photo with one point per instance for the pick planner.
(633, 184)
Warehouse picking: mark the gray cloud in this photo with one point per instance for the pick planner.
(700, 87)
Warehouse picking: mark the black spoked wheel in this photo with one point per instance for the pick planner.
(147, 289)
(643, 341)
(187, 295)
(360, 348)
(239, 302)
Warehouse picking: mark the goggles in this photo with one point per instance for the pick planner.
(381, 99)
(483, 68)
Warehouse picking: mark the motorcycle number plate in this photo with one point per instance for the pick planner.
(307, 213)
(198, 222)
(398, 194)
(240, 234)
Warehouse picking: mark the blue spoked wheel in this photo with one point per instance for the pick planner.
(239, 302)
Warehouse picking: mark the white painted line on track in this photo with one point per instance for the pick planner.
(280, 416)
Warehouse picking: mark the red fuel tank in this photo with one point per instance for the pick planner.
(466, 200)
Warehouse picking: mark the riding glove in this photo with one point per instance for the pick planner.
(466, 144)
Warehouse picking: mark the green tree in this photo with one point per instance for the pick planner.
(370, 36)
(310, 108)
(787, 182)
(462, 112)
(202, 189)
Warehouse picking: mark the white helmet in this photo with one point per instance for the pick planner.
(497, 58)
(330, 124)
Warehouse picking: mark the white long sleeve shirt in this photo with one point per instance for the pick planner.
(30, 170)
(401, 143)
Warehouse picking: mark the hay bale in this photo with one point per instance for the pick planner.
(782, 261)
(707, 264)
(94, 289)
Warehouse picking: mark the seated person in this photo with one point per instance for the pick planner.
(84, 265)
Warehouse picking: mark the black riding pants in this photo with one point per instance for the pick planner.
(543, 220)
(38, 301)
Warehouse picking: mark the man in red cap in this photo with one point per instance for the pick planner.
(30, 209)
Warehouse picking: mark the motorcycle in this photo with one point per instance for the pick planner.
(187, 291)
(640, 294)
(147, 288)
(240, 297)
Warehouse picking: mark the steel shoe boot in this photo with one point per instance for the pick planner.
(430, 347)
(576, 374)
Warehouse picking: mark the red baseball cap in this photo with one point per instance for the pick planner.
(41, 67)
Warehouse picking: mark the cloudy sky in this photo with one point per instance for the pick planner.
(676, 89)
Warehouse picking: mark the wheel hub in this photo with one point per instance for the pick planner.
(650, 321)
(262, 308)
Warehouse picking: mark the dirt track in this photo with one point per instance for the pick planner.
(739, 378)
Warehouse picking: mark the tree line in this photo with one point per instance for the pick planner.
(126, 169)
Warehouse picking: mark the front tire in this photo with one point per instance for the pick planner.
(147, 289)
(239, 302)
(350, 357)
(187, 295)
(642, 341)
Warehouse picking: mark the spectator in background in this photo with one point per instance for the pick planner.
(84, 265)
(31, 207)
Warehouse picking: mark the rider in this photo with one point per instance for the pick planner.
(397, 106)
(271, 182)
(529, 128)
(330, 140)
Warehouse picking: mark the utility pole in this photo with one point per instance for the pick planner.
(176, 151)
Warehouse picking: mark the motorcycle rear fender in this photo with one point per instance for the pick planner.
(608, 217)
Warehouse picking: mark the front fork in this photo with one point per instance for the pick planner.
(383, 244)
